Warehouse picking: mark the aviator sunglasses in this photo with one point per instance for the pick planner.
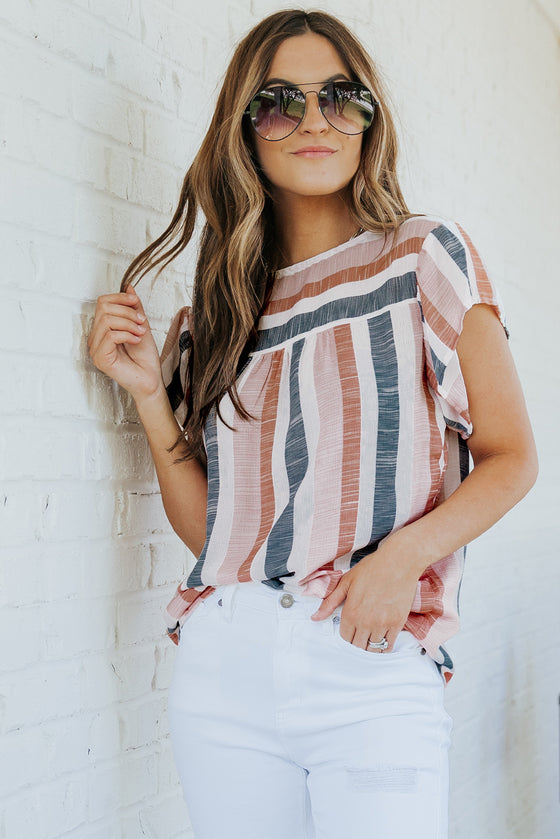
(276, 111)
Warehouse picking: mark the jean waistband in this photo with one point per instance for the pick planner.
(257, 595)
(285, 605)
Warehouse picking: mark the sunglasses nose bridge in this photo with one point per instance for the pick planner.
(318, 106)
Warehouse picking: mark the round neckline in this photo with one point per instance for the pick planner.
(304, 263)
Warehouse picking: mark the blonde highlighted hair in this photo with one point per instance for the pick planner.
(238, 252)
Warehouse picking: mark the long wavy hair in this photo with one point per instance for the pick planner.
(238, 251)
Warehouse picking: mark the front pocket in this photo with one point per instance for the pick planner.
(197, 613)
(406, 644)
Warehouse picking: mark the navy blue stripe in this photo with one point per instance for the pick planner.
(453, 246)
(174, 389)
(464, 460)
(456, 250)
(395, 290)
(384, 356)
(281, 537)
(213, 467)
(439, 367)
(447, 662)
(185, 341)
(455, 426)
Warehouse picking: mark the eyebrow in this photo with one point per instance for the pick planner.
(336, 77)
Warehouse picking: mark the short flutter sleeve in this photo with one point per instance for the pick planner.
(174, 359)
(451, 279)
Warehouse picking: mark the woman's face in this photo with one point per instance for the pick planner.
(291, 165)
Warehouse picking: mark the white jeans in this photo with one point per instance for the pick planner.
(281, 729)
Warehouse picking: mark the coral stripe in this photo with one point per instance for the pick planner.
(352, 274)
(268, 428)
(351, 424)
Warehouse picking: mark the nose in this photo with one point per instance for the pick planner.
(313, 118)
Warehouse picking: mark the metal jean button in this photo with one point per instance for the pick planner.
(286, 601)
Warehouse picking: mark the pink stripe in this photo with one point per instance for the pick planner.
(247, 500)
(328, 460)
(485, 290)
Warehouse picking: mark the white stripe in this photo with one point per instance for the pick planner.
(368, 435)
(408, 377)
(304, 498)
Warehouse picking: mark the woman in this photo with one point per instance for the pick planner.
(340, 355)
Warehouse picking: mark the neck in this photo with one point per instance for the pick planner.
(310, 225)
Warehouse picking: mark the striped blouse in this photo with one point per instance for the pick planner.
(360, 421)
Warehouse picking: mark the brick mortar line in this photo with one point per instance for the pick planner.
(132, 153)
(85, 187)
(108, 542)
(82, 657)
(104, 762)
(8, 27)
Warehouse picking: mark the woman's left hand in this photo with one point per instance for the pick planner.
(379, 591)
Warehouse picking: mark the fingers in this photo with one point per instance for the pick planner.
(117, 320)
(135, 299)
(349, 631)
(362, 637)
(334, 599)
(112, 326)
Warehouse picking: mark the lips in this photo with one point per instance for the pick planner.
(314, 151)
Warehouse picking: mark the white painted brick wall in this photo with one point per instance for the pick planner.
(102, 106)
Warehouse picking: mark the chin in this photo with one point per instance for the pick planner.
(313, 188)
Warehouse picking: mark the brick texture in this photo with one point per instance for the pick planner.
(102, 106)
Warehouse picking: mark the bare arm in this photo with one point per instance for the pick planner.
(183, 485)
(122, 346)
(384, 583)
(501, 445)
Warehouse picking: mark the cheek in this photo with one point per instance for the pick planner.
(354, 153)
(268, 158)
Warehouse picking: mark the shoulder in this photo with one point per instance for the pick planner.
(428, 229)
(422, 235)
(446, 252)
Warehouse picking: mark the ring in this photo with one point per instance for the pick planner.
(378, 645)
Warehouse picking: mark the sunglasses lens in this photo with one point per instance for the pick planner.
(276, 112)
(348, 107)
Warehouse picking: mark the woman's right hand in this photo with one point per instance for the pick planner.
(121, 344)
